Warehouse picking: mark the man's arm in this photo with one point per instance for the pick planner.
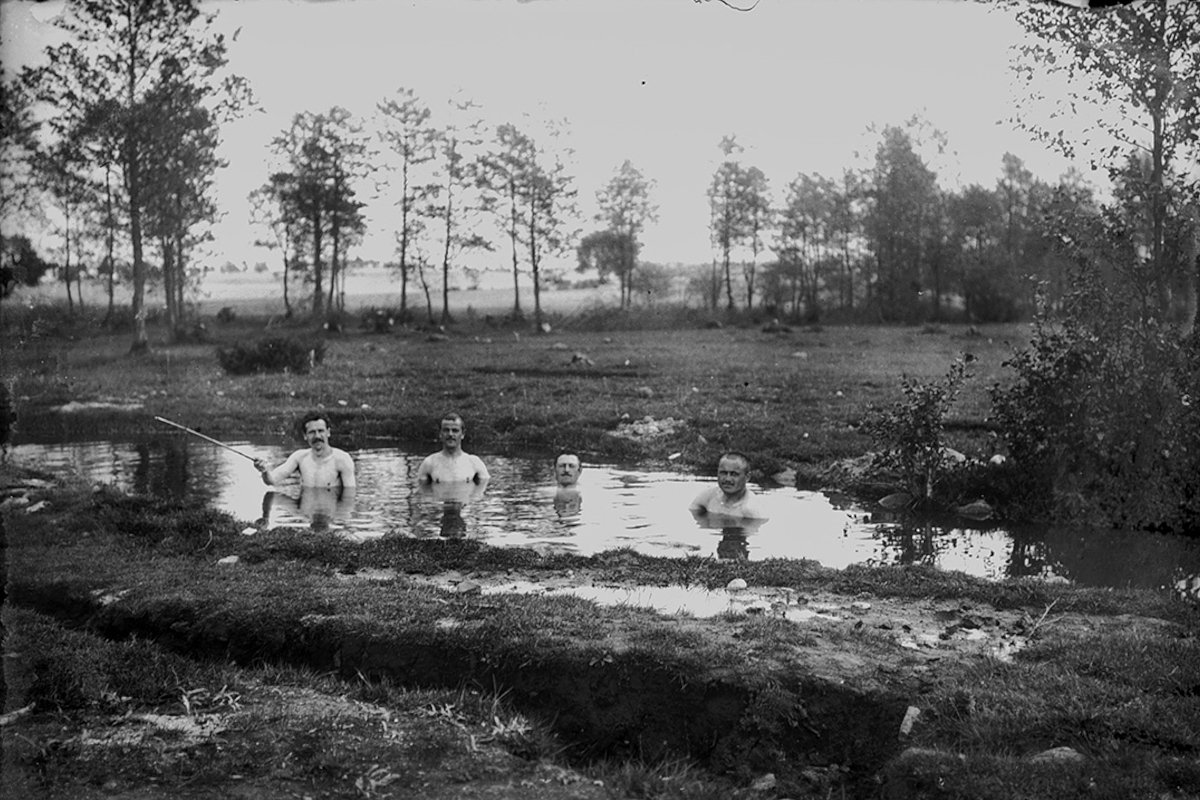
(425, 471)
(700, 504)
(274, 476)
(346, 470)
(481, 471)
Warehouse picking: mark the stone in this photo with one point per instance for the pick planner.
(896, 500)
(765, 783)
(736, 585)
(977, 509)
(952, 456)
(1058, 755)
(910, 719)
(228, 560)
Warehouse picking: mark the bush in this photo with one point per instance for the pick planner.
(272, 354)
(1104, 417)
(908, 434)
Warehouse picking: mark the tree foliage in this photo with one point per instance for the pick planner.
(1133, 72)
(105, 82)
(315, 193)
(626, 207)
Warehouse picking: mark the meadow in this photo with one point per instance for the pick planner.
(791, 397)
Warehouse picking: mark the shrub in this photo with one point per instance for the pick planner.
(272, 354)
(1104, 417)
(908, 434)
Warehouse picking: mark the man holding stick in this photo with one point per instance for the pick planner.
(320, 465)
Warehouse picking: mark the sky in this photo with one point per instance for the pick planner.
(657, 82)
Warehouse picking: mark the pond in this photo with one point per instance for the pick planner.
(617, 506)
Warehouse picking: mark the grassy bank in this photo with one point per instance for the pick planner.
(307, 665)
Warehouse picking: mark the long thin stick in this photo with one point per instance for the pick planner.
(205, 438)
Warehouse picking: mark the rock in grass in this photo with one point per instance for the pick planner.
(896, 500)
(1058, 755)
(736, 585)
(910, 719)
(977, 509)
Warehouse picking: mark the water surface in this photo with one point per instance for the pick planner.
(644, 510)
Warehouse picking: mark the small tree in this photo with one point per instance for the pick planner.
(909, 434)
(406, 130)
(625, 207)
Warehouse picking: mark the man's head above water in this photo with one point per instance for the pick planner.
(451, 431)
(315, 428)
(733, 470)
(566, 469)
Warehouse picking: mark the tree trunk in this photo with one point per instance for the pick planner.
(168, 269)
(512, 240)
(66, 270)
(110, 242)
(533, 265)
(335, 267)
(446, 262)
(133, 177)
(287, 277)
(318, 293)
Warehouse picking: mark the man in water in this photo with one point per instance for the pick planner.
(729, 498)
(567, 497)
(452, 464)
(320, 465)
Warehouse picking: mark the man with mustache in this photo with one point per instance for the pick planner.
(452, 464)
(320, 465)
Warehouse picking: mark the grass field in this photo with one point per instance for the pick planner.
(791, 398)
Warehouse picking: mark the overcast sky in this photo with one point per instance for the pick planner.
(658, 82)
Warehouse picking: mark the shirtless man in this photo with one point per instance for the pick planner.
(567, 497)
(730, 497)
(319, 465)
(452, 464)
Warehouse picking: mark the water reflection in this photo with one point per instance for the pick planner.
(325, 508)
(568, 503)
(736, 531)
(647, 511)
